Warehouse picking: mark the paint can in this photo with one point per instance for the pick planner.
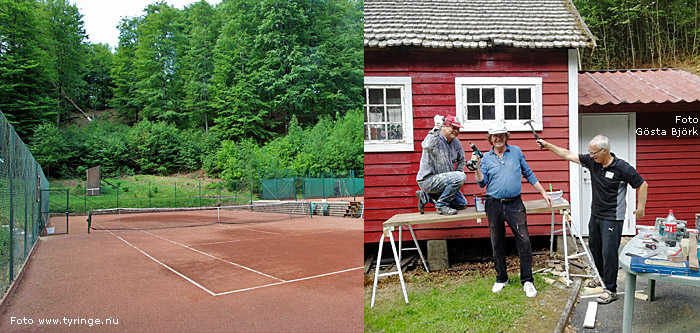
(480, 202)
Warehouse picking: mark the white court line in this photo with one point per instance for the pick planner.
(213, 256)
(285, 282)
(226, 292)
(164, 265)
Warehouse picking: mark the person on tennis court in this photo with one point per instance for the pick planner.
(501, 171)
(441, 173)
(609, 178)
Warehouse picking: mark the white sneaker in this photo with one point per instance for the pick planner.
(530, 290)
(498, 286)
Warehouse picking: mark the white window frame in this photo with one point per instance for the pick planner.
(499, 83)
(404, 83)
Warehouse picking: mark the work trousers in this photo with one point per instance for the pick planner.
(604, 241)
(514, 213)
(445, 188)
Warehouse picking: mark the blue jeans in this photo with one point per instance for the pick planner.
(514, 213)
(604, 240)
(444, 189)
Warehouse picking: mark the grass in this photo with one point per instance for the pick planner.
(462, 302)
(148, 191)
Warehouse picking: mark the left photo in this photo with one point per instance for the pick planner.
(181, 165)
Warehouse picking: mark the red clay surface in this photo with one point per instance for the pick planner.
(293, 275)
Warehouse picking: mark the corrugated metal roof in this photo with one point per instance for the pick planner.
(638, 87)
(475, 24)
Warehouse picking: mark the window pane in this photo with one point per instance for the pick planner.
(524, 112)
(473, 96)
(473, 112)
(509, 112)
(366, 114)
(393, 96)
(377, 132)
(509, 95)
(376, 114)
(489, 112)
(393, 114)
(395, 132)
(524, 95)
(489, 95)
(376, 96)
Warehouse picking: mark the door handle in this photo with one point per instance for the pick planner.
(586, 176)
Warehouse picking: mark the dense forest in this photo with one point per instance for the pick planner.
(245, 84)
(642, 34)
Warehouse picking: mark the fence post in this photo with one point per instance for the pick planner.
(149, 195)
(323, 184)
(26, 218)
(200, 193)
(118, 185)
(12, 210)
(86, 195)
(175, 194)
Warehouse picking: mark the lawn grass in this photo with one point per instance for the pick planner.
(461, 302)
(147, 191)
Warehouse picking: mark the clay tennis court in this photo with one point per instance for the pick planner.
(301, 274)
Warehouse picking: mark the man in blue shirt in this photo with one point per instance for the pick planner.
(501, 170)
(441, 173)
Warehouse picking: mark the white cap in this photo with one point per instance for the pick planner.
(498, 128)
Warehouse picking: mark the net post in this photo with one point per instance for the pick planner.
(67, 207)
(89, 220)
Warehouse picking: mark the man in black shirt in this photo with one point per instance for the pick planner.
(609, 178)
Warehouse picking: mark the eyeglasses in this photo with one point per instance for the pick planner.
(596, 152)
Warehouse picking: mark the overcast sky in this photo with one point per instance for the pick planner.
(101, 17)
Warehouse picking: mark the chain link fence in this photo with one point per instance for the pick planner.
(23, 210)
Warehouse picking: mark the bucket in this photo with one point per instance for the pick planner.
(480, 202)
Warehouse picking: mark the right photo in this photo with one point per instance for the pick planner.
(530, 166)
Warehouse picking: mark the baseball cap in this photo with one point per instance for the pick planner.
(450, 120)
(498, 128)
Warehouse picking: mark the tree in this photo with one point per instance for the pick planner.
(98, 80)
(67, 52)
(158, 77)
(25, 90)
(124, 71)
(201, 31)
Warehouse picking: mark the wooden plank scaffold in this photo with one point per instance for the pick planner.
(402, 220)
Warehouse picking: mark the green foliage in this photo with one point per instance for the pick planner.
(99, 82)
(67, 52)
(246, 71)
(147, 147)
(329, 145)
(25, 75)
(641, 34)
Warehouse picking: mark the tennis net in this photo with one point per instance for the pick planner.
(159, 218)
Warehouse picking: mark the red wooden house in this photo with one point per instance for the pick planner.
(655, 115)
(481, 61)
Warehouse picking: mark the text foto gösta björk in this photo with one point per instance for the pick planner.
(675, 131)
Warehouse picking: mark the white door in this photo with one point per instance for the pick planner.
(619, 128)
